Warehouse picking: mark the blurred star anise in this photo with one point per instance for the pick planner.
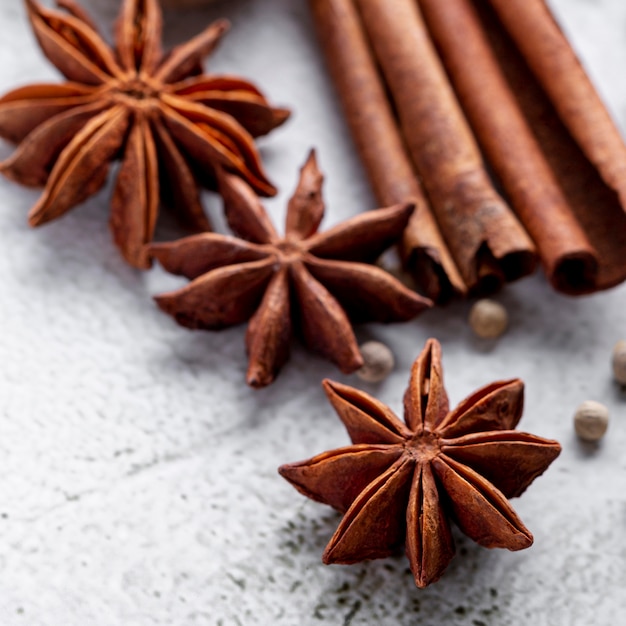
(308, 280)
(400, 484)
(170, 124)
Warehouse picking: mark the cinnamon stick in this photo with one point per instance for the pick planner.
(554, 63)
(486, 240)
(568, 258)
(595, 203)
(380, 145)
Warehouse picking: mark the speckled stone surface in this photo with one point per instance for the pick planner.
(138, 480)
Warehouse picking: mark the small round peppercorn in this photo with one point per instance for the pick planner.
(378, 362)
(619, 362)
(488, 319)
(591, 420)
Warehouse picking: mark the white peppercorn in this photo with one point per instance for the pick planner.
(591, 420)
(378, 362)
(488, 319)
(619, 362)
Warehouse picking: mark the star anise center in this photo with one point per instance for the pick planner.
(137, 91)
(289, 251)
(423, 447)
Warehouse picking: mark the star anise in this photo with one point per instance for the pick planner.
(401, 483)
(308, 280)
(168, 123)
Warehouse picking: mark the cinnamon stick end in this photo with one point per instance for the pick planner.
(493, 273)
(430, 277)
(575, 274)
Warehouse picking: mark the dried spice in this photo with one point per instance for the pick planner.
(170, 124)
(378, 362)
(550, 141)
(486, 240)
(488, 319)
(380, 144)
(507, 138)
(555, 65)
(591, 420)
(531, 108)
(308, 282)
(400, 484)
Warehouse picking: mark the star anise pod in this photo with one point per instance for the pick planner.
(167, 122)
(402, 483)
(308, 280)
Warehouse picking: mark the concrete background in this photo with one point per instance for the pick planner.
(138, 480)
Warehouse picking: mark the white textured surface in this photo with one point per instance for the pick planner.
(138, 479)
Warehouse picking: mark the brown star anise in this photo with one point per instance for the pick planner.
(168, 123)
(313, 281)
(399, 484)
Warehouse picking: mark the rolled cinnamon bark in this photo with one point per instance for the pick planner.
(486, 240)
(595, 204)
(568, 258)
(380, 145)
(551, 58)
